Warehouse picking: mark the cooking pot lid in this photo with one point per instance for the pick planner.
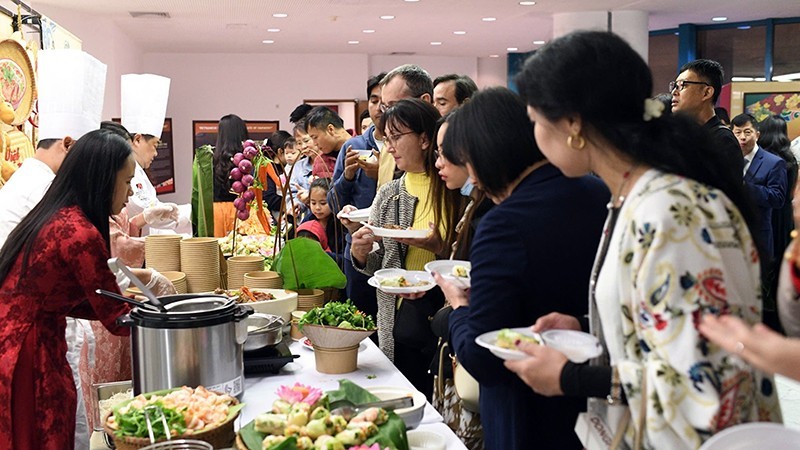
(187, 309)
(198, 305)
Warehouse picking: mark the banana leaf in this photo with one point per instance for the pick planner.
(302, 264)
(391, 434)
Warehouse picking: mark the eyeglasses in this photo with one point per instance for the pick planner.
(683, 84)
(392, 140)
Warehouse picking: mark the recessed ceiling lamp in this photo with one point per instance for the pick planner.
(538, 42)
(744, 27)
(352, 42)
(527, 3)
(719, 19)
(268, 41)
(280, 15)
(436, 43)
(494, 56)
(512, 49)
(460, 33)
(387, 17)
(367, 31)
(489, 19)
(411, 1)
(273, 30)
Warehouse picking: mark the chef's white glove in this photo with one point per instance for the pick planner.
(162, 215)
(160, 285)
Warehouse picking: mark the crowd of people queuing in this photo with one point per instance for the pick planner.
(585, 202)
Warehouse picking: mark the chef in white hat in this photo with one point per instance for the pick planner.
(144, 106)
(71, 84)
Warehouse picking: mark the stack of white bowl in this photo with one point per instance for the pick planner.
(240, 265)
(200, 262)
(163, 252)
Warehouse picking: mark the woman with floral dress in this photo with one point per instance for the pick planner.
(676, 245)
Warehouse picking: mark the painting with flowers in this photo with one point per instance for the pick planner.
(784, 104)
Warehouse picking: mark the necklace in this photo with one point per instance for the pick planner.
(620, 197)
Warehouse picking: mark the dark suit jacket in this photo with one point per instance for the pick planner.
(766, 181)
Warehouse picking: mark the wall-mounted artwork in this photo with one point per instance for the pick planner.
(204, 132)
(785, 104)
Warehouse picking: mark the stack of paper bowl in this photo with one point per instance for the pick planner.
(308, 299)
(200, 263)
(163, 252)
(178, 280)
(335, 349)
(240, 265)
(262, 279)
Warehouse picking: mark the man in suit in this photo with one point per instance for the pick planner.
(764, 177)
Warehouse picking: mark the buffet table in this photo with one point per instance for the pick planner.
(374, 369)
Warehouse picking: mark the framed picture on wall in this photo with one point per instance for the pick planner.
(785, 104)
(162, 171)
(204, 132)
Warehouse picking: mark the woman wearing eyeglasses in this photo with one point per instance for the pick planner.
(419, 199)
(676, 245)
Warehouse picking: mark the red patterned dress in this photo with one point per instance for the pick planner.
(37, 395)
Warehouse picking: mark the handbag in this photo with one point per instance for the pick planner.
(467, 387)
(412, 321)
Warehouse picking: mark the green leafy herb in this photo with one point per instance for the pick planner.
(371, 377)
(337, 314)
(133, 423)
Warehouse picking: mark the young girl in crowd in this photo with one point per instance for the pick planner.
(324, 227)
(676, 246)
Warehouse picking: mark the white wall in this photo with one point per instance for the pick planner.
(492, 72)
(434, 65)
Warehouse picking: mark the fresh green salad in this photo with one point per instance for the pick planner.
(338, 314)
(133, 422)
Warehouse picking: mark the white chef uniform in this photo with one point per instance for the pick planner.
(144, 107)
(71, 86)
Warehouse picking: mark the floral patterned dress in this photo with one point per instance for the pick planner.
(680, 250)
(37, 394)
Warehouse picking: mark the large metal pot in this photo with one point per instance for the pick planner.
(196, 341)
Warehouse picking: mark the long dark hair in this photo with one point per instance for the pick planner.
(596, 75)
(230, 134)
(420, 117)
(86, 179)
(492, 132)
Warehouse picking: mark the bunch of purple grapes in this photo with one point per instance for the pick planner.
(242, 176)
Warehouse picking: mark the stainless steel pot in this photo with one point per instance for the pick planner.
(197, 341)
(267, 331)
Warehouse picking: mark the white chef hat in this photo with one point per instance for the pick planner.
(144, 103)
(71, 85)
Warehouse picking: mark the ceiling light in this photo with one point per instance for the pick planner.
(387, 17)
(268, 41)
(412, 1)
(459, 32)
(719, 19)
(280, 15)
(367, 31)
(494, 56)
(352, 42)
(787, 77)
(489, 19)
(538, 42)
(512, 49)
(436, 43)
(527, 3)
(273, 30)
(744, 27)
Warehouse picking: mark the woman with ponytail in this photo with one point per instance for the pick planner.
(676, 245)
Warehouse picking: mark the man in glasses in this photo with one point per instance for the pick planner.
(695, 93)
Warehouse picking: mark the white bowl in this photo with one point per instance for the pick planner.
(284, 303)
(444, 267)
(389, 273)
(578, 346)
(366, 155)
(760, 435)
(425, 440)
(488, 341)
(411, 416)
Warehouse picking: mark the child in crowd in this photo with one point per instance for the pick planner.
(290, 155)
(323, 227)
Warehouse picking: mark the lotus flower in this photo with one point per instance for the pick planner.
(299, 393)
(364, 447)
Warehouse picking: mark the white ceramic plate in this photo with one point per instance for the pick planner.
(392, 233)
(359, 215)
(578, 346)
(487, 340)
(411, 415)
(760, 435)
(445, 268)
(410, 275)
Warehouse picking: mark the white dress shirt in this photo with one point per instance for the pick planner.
(21, 193)
(748, 159)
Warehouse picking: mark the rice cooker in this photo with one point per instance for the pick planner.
(196, 341)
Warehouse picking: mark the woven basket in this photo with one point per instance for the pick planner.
(221, 436)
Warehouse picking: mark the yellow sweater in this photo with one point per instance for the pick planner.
(418, 185)
(385, 167)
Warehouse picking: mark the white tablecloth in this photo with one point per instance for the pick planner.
(374, 369)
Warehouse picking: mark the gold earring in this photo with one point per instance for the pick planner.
(581, 141)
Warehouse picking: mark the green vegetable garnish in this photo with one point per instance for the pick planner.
(338, 314)
(133, 422)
